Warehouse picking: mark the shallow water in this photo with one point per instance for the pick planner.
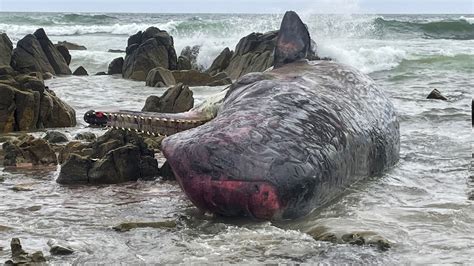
(421, 205)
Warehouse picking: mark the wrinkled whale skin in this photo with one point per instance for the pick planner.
(286, 142)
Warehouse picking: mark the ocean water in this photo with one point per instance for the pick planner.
(421, 206)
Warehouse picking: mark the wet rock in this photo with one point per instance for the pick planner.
(154, 143)
(80, 71)
(115, 51)
(254, 53)
(86, 136)
(175, 100)
(147, 50)
(55, 58)
(59, 250)
(360, 238)
(22, 188)
(74, 147)
(436, 94)
(19, 256)
(116, 157)
(101, 73)
(196, 78)
(5, 228)
(191, 54)
(16, 248)
(64, 52)
(166, 172)
(160, 77)
(6, 50)
(28, 56)
(124, 227)
(28, 151)
(115, 67)
(72, 46)
(55, 113)
(221, 62)
(55, 137)
(184, 63)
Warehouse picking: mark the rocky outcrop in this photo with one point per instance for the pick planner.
(254, 53)
(160, 77)
(55, 58)
(147, 50)
(175, 100)
(436, 95)
(64, 52)
(21, 257)
(36, 53)
(190, 55)
(184, 63)
(196, 78)
(6, 49)
(72, 46)
(117, 156)
(26, 104)
(28, 151)
(221, 62)
(80, 71)
(116, 66)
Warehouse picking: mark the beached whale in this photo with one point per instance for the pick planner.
(280, 143)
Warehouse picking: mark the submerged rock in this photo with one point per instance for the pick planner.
(72, 46)
(59, 250)
(115, 51)
(117, 156)
(147, 50)
(176, 99)
(80, 71)
(115, 67)
(124, 227)
(436, 94)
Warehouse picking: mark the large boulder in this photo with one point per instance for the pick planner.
(116, 66)
(176, 99)
(254, 53)
(64, 52)
(6, 49)
(196, 78)
(55, 58)
(28, 56)
(27, 105)
(221, 62)
(160, 77)
(116, 157)
(147, 50)
(80, 71)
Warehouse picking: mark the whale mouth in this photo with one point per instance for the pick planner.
(256, 199)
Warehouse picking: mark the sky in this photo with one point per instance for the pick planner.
(243, 6)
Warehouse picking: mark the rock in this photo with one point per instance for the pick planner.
(116, 51)
(55, 113)
(55, 58)
(101, 73)
(28, 151)
(19, 256)
(6, 70)
(117, 156)
(184, 63)
(147, 50)
(55, 137)
(196, 78)
(80, 71)
(436, 94)
(74, 147)
(160, 76)
(175, 100)
(6, 50)
(221, 62)
(60, 251)
(154, 143)
(16, 248)
(86, 136)
(191, 54)
(7, 108)
(28, 56)
(72, 46)
(254, 53)
(64, 52)
(115, 67)
(166, 172)
(124, 227)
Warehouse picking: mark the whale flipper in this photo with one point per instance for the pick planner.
(293, 41)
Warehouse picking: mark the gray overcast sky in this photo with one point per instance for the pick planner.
(242, 6)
